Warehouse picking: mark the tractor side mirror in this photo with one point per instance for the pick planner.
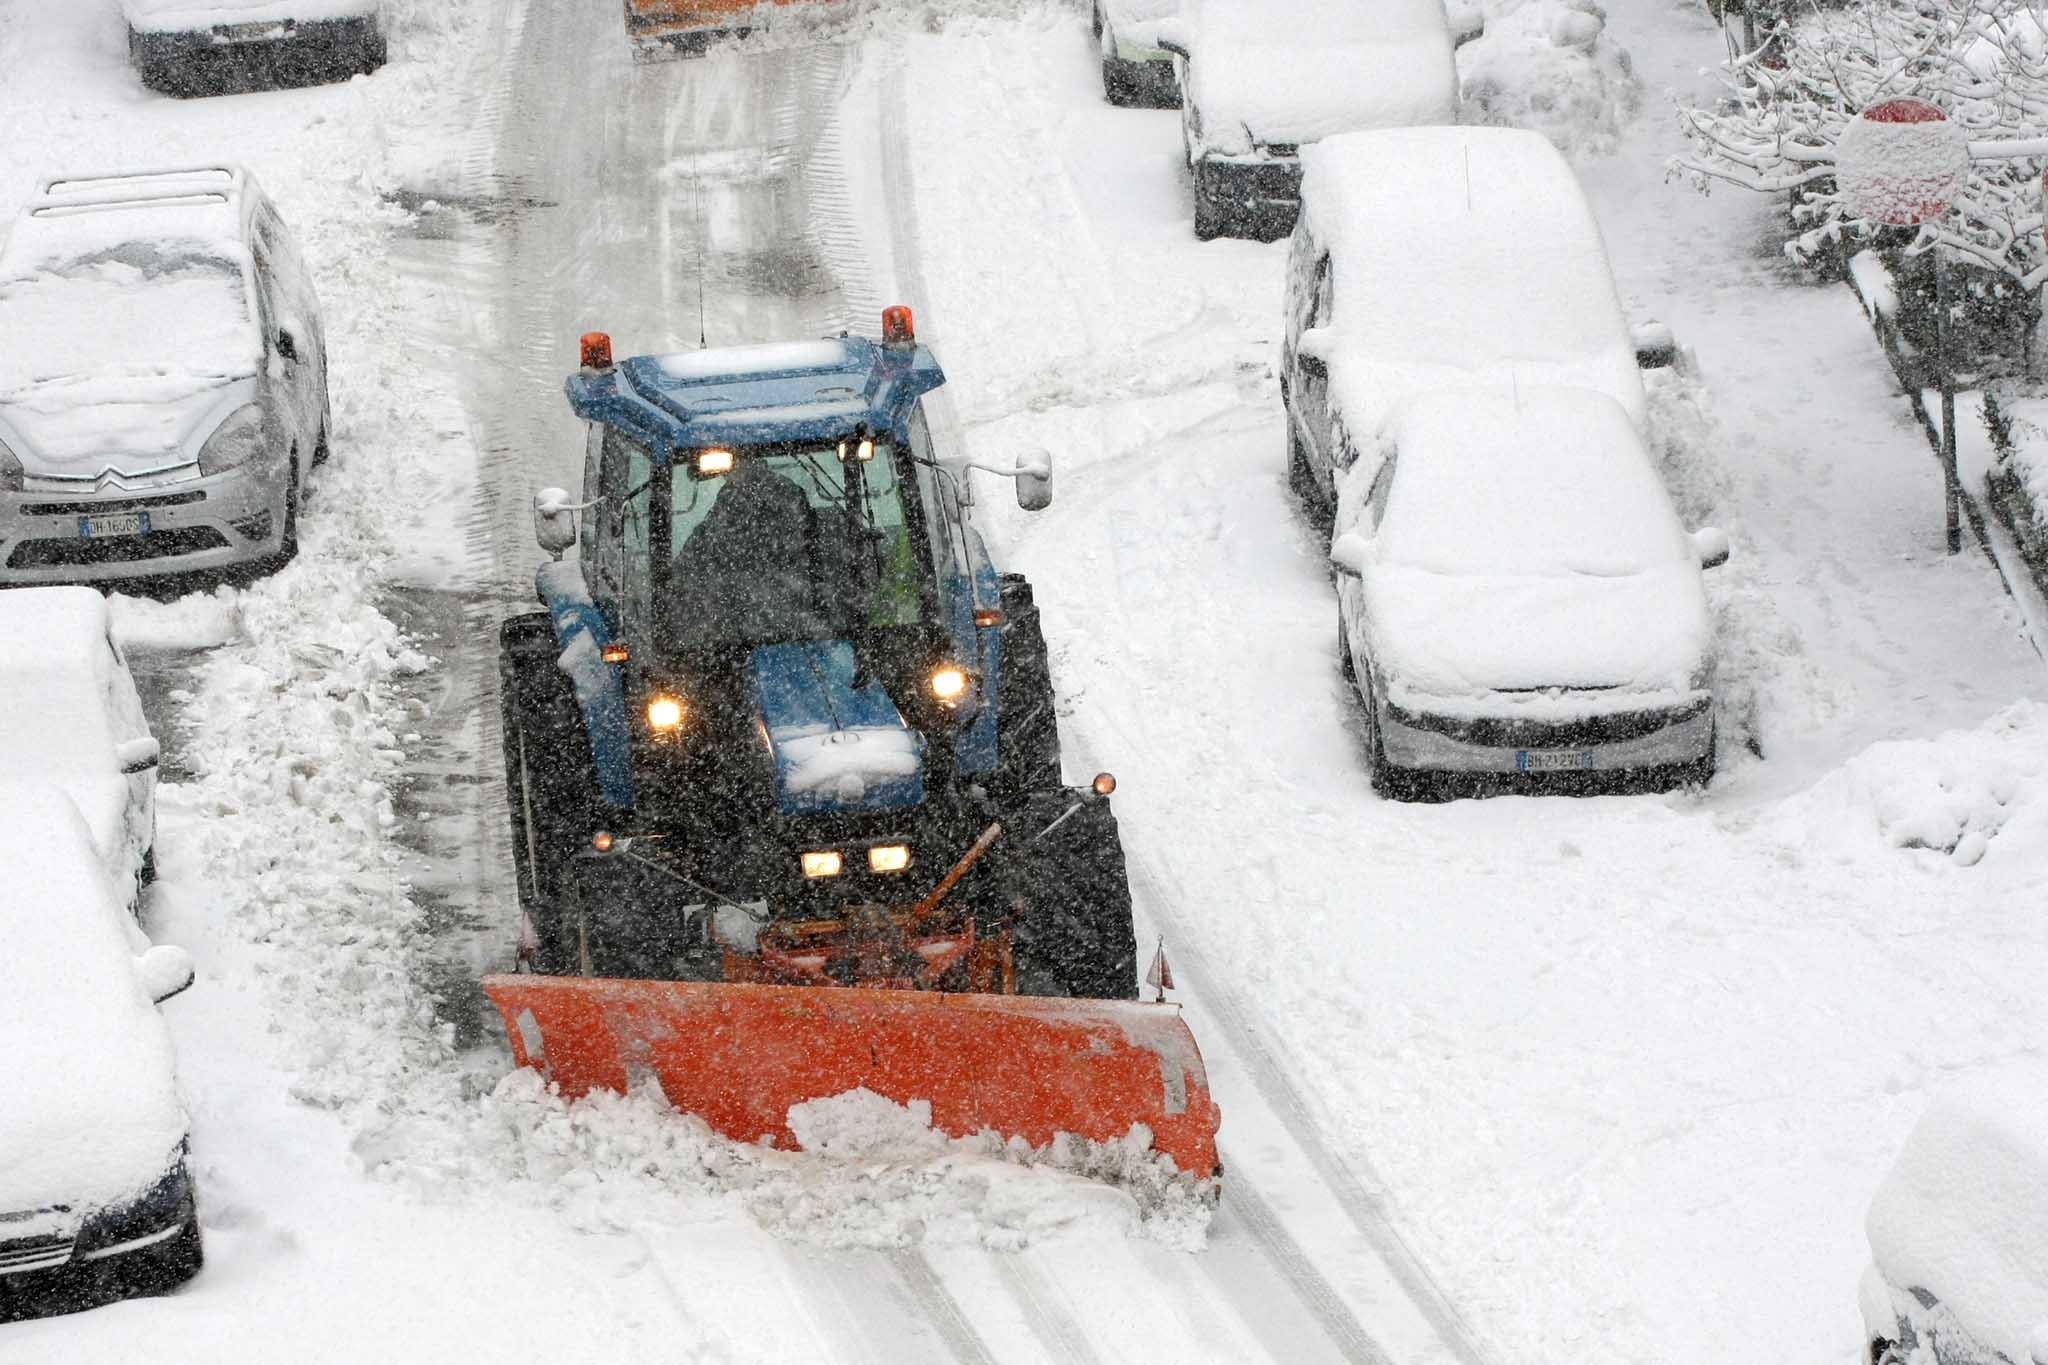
(1711, 544)
(554, 520)
(1350, 554)
(164, 971)
(1034, 480)
(137, 755)
(1656, 347)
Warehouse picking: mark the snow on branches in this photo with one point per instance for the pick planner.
(1816, 65)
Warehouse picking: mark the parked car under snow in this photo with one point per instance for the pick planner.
(1517, 598)
(1959, 1230)
(95, 1195)
(220, 47)
(1260, 79)
(70, 717)
(1430, 258)
(163, 379)
(1135, 69)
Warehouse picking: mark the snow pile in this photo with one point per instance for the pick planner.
(1551, 66)
(1956, 798)
(1964, 1215)
(1766, 685)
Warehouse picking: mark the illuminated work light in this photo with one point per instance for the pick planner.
(949, 684)
(824, 862)
(664, 713)
(888, 857)
(863, 452)
(710, 462)
(602, 841)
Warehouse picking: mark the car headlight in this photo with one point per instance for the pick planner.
(156, 1208)
(10, 470)
(234, 442)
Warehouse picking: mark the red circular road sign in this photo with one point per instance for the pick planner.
(1901, 162)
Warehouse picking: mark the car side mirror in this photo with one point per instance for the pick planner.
(1655, 346)
(1312, 351)
(1468, 22)
(1034, 481)
(138, 755)
(287, 344)
(1710, 543)
(1168, 36)
(164, 971)
(1350, 553)
(554, 520)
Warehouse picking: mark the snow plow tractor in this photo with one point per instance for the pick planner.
(784, 775)
(661, 29)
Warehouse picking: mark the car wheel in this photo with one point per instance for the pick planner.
(147, 873)
(1301, 477)
(320, 446)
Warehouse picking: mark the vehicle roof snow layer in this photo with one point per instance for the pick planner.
(1462, 256)
(804, 391)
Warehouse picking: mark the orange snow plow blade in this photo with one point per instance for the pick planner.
(738, 1056)
(691, 25)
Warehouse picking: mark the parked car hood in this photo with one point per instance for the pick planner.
(1463, 637)
(129, 423)
(89, 1111)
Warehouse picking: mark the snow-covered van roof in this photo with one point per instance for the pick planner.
(89, 1111)
(1461, 256)
(1289, 72)
(183, 16)
(1964, 1212)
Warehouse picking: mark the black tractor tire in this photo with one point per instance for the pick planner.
(1072, 894)
(551, 788)
(1027, 718)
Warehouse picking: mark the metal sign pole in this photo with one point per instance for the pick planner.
(1944, 360)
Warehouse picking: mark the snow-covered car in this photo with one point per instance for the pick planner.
(1261, 79)
(1959, 1230)
(70, 717)
(1135, 69)
(93, 1178)
(1516, 596)
(219, 47)
(163, 379)
(1442, 258)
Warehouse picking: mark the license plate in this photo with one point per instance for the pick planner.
(260, 32)
(1553, 760)
(113, 524)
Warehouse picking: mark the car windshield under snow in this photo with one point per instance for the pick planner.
(136, 310)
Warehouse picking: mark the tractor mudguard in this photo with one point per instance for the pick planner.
(581, 634)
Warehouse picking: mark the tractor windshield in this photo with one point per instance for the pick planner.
(787, 543)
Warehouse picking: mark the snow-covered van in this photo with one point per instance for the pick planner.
(219, 47)
(1517, 598)
(95, 1195)
(1959, 1230)
(1441, 258)
(1261, 79)
(163, 378)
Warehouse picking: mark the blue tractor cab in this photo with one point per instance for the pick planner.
(782, 683)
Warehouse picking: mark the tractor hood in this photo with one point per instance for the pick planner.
(837, 746)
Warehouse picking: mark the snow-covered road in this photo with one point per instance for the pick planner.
(1593, 1081)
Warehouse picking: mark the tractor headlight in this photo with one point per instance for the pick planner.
(10, 470)
(234, 442)
(665, 713)
(949, 684)
(824, 862)
(888, 857)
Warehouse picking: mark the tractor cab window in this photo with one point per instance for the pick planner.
(624, 479)
(788, 542)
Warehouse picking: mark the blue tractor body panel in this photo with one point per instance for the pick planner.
(836, 747)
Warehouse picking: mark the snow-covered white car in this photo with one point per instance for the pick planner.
(1431, 258)
(218, 47)
(1135, 69)
(94, 1190)
(70, 717)
(1516, 596)
(1261, 79)
(1959, 1230)
(163, 378)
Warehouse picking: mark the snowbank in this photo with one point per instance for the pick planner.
(1964, 1215)
(1551, 65)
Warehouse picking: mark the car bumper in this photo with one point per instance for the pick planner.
(1663, 737)
(1144, 73)
(228, 58)
(37, 1250)
(1258, 197)
(202, 523)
